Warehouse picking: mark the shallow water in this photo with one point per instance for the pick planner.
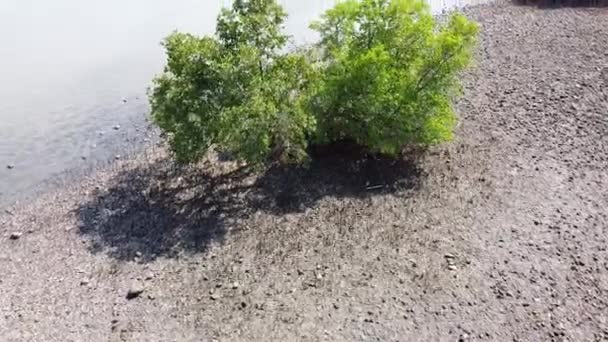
(72, 70)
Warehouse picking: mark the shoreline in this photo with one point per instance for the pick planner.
(133, 139)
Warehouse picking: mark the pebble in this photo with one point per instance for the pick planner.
(10, 166)
(135, 291)
(116, 127)
(235, 285)
(452, 267)
(15, 235)
(117, 157)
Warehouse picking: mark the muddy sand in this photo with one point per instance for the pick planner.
(501, 235)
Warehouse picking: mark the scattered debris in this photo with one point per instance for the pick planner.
(135, 291)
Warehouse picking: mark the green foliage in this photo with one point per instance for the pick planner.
(236, 91)
(391, 73)
(384, 76)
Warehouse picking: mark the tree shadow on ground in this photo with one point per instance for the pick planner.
(162, 210)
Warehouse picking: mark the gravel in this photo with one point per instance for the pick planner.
(516, 204)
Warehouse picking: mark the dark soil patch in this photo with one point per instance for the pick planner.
(563, 3)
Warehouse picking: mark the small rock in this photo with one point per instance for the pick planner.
(117, 156)
(124, 100)
(235, 285)
(151, 297)
(138, 254)
(10, 166)
(83, 158)
(15, 235)
(135, 291)
(84, 282)
(116, 127)
(449, 256)
(452, 267)
(214, 296)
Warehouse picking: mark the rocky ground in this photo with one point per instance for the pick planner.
(498, 236)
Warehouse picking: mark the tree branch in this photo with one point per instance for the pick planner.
(420, 85)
